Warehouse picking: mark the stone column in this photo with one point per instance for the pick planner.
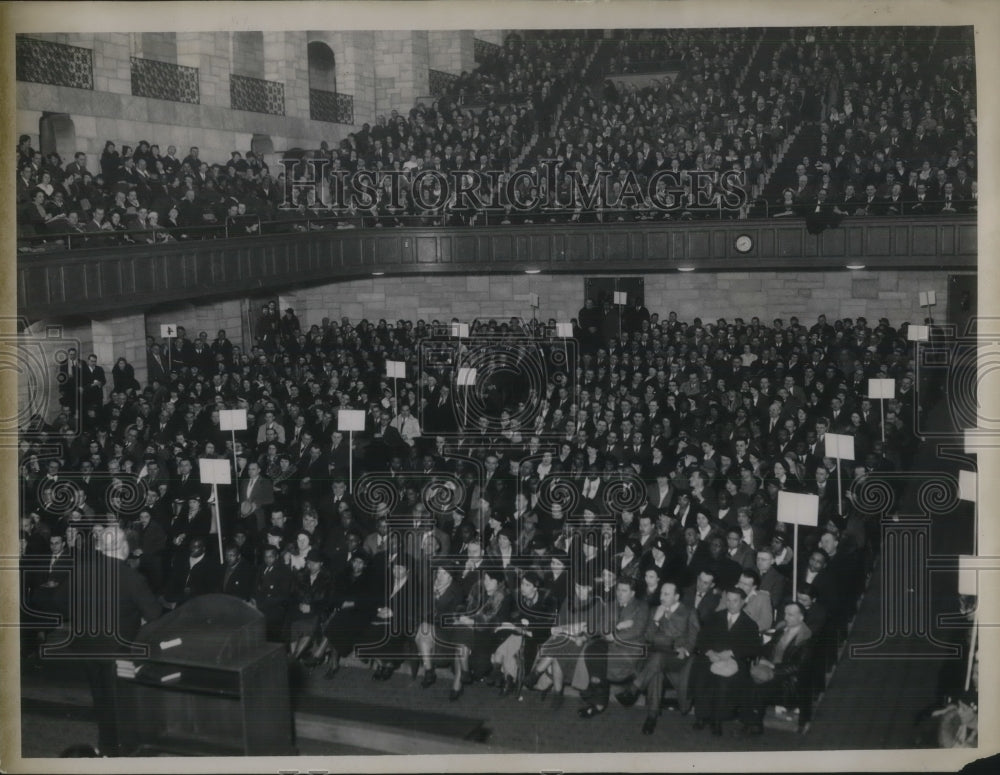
(120, 336)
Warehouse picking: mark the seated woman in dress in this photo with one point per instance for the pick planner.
(430, 639)
(395, 623)
(487, 607)
(314, 592)
(581, 617)
(354, 604)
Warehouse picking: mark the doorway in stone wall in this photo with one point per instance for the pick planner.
(602, 289)
(57, 134)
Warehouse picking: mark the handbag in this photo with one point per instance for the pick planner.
(725, 667)
(762, 672)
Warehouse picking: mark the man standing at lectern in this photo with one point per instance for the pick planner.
(102, 631)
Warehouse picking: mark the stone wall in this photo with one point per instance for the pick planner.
(383, 70)
(766, 294)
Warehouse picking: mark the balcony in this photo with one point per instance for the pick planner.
(103, 280)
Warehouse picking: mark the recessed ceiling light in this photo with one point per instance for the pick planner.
(532, 271)
(685, 269)
(855, 266)
(377, 274)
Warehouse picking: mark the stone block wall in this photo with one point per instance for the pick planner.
(709, 296)
(451, 51)
(382, 70)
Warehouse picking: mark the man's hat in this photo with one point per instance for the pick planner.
(532, 577)
(314, 555)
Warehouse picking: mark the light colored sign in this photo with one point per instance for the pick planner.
(621, 297)
(395, 369)
(233, 419)
(839, 446)
(214, 471)
(350, 420)
(564, 330)
(928, 298)
(798, 508)
(461, 330)
(466, 377)
(168, 331)
(918, 333)
(881, 388)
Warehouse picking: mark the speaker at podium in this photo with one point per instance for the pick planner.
(210, 686)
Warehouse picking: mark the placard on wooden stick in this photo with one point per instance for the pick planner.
(350, 420)
(881, 388)
(168, 331)
(928, 298)
(564, 330)
(798, 508)
(466, 376)
(214, 471)
(621, 297)
(461, 330)
(918, 333)
(839, 446)
(533, 300)
(395, 369)
(233, 419)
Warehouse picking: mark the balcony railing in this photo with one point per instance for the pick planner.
(295, 251)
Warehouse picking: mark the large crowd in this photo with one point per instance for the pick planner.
(592, 528)
(896, 136)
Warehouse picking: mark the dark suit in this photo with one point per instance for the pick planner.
(187, 582)
(275, 587)
(239, 580)
(717, 697)
(260, 496)
(135, 603)
(786, 688)
(675, 630)
(704, 607)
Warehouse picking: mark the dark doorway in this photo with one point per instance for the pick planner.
(602, 289)
(962, 301)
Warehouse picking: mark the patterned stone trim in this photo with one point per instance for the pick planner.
(483, 50)
(41, 61)
(333, 107)
(165, 81)
(440, 82)
(256, 95)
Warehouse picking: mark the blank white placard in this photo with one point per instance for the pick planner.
(233, 419)
(918, 333)
(564, 330)
(466, 376)
(461, 330)
(798, 508)
(839, 446)
(395, 369)
(621, 297)
(881, 388)
(214, 471)
(350, 420)
(967, 485)
(928, 298)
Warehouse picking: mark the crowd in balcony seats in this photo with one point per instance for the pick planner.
(899, 133)
(896, 136)
(632, 490)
